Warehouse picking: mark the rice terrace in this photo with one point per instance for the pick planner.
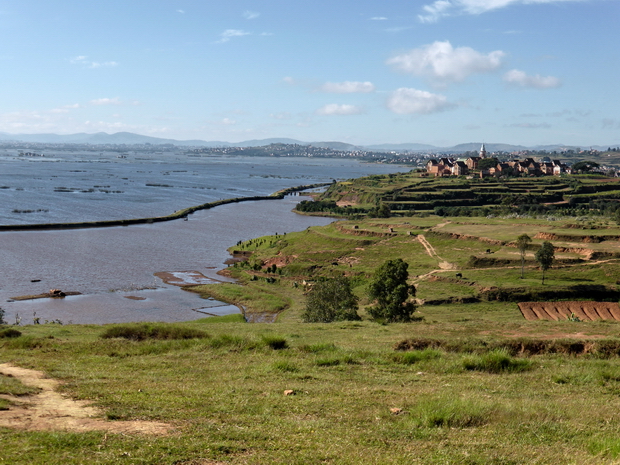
(497, 353)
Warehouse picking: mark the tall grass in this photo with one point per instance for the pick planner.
(144, 331)
(496, 361)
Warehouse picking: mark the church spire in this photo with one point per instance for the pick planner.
(483, 151)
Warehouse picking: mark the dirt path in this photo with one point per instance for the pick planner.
(430, 250)
(48, 410)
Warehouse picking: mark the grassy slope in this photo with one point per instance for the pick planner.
(225, 397)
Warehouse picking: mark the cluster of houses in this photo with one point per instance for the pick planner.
(528, 167)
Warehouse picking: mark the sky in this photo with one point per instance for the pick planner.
(439, 72)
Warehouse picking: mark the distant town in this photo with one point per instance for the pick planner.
(436, 163)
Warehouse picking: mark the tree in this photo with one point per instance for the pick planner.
(486, 163)
(545, 257)
(585, 166)
(2, 322)
(390, 292)
(522, 242)
(331, 300)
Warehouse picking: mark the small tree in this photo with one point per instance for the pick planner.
(545, 257)
(390, 292)
(522, 242)
(2, 321)
(331, 300)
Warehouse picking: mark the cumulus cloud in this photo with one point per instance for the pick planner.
(518, 78)
(348, 87)
(405, 101)
(441, 63)
(247, 14)
(106, 101)
(335, 109)
(230, 33)
(433, 12)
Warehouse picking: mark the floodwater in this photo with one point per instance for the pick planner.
(114, 268)
(109, 264)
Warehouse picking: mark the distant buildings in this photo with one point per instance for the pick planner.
(526, 167)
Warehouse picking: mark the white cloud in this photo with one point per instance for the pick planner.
(442, 8)
(82, 60)
(282, 116)
(247, 14)
(181, 11)
(106, 101)
(406, 101)
(335, 109)
(107, 64)
(518, 78)
(441, 63)
(378, 18)
(348, 87)
(230, 33)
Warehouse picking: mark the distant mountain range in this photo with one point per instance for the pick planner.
(128, 138)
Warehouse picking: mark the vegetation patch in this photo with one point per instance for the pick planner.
(496, 361)
(145, 331)
(9, 332)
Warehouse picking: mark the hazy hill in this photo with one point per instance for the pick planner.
(128, 138)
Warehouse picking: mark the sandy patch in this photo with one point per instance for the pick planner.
(49, 410)
(184, 278)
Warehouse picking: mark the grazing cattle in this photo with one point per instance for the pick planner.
(459, 275)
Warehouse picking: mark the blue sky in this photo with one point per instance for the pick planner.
(440, 72)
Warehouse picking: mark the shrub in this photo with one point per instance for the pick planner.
(140, 332)
(331, 300)
(9, 332)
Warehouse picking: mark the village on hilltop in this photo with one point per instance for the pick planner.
(464, 166)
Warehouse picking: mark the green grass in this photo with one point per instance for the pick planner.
(225, 396)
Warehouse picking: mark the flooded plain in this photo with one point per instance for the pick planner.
(114, 268)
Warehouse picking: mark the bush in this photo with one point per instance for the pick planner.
(140, 332)
(390, 292)
(331, 300)
(9, 332)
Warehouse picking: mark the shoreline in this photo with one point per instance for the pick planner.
(179, 214)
